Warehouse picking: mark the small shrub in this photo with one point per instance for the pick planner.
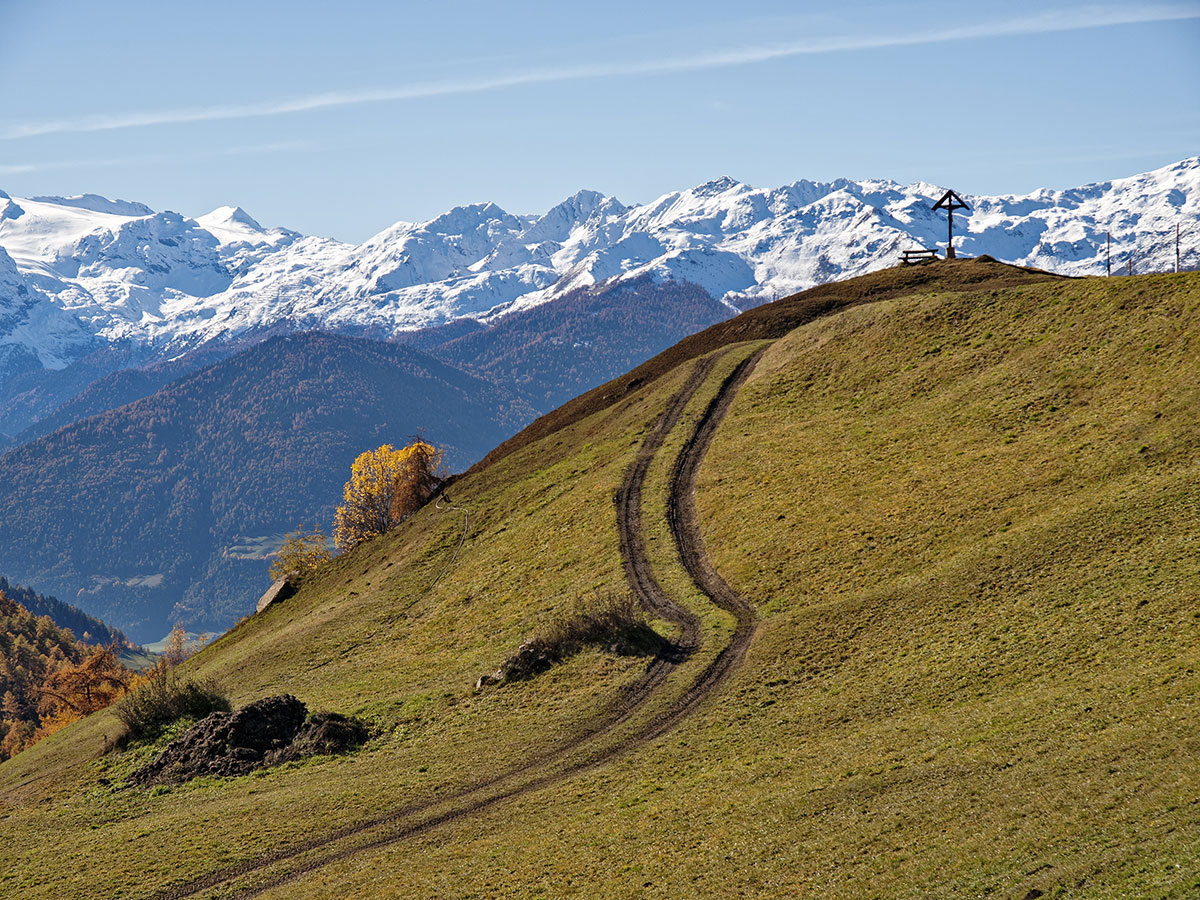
(177, 648)
(615, 623)
(166, 698)
(302, 554)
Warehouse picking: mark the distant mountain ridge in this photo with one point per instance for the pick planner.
(81, 272)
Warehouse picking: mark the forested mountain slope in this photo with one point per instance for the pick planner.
(87, 628)
(161, 511)
(37, 403)
(557, 350)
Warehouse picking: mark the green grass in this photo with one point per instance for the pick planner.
(970, 522)
(976, 523)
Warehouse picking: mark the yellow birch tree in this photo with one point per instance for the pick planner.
(386, 486)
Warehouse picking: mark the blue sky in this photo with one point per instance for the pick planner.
(339, 119)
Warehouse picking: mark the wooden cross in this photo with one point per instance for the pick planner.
(950, 202)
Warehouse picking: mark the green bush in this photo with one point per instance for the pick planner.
(166, 698)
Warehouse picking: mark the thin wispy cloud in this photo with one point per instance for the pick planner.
(1053, 22)
(155, 159)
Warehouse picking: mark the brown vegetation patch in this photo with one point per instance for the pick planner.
(615, 624)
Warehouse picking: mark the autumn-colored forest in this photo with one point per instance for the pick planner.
(49, 678)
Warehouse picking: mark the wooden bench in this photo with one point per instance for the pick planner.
(916, 257)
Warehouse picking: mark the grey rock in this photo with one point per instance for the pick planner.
(279, 591)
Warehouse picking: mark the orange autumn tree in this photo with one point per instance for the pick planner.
(418, 477)
(48, 678)
(385, 487)
(76, 690)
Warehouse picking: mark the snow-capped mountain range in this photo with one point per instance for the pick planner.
(78, 272)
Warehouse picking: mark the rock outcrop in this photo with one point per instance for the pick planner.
(282, 589)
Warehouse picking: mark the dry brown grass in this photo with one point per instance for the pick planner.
(613, 623)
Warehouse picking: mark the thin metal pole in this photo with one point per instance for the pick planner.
(1176, 248)
(1108, 254)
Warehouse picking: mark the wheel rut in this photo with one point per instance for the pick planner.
(415, 819)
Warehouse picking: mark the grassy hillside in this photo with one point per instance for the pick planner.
(962, 504)
(976, 523)
(774, 320)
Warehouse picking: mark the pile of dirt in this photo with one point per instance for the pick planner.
(530, 659)
(264, 733)
(324, 733)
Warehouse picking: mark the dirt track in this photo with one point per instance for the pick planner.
(414, 819)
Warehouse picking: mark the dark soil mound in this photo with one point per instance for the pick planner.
(325, 732)
(264, 733)
(532, 658)
(224, 743)
(616, 624)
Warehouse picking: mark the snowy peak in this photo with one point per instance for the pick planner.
(238, 232)
(558, 223)
(473, 217)
(109, 270)
(228, 216)
(715, 187)
(96, 203)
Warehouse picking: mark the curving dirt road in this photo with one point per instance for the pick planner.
(414, 819)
